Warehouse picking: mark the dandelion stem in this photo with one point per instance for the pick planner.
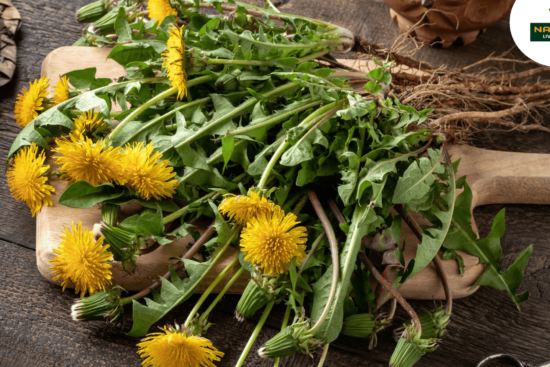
(388, 287)
(159, 97)
(166, 115)
(334, 253)
(309, 123)
(209, 290)
(274, 120)
(223, 292)
(268, 63)
(177, 214)
(255, 334)
(323, 356)
(298, 208)
(228, 116)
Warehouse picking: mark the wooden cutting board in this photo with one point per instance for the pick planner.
(495, 177)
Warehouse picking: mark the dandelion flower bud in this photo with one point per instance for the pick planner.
(434, 324)
(292, 339)
(104, 305)
(226, 83)
(252, 299)
(411, 347)
(92, 12)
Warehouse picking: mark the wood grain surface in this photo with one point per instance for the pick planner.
(35, 326)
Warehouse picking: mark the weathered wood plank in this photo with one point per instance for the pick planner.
(36, 326)
(46, 26)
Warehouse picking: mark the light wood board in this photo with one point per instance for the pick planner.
(495, 177)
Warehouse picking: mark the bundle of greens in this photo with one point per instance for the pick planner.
(236, 117)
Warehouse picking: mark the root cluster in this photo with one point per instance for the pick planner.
(496, 91)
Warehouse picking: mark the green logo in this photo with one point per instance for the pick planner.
(540, 32)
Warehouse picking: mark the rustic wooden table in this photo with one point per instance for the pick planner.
(35, 326)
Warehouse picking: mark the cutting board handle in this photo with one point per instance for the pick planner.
(504, 177)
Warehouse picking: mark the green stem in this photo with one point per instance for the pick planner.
(223, 119)
(222, 293)
(209, 290)
(333, 242)
(239, 62)
(172, 128)
(255, 334)
(285, 323)
(77, 113)
(308, 123)
(267, 63)
(154, 100)
(272, 121)
(175, 215)
(298, 208)
(354, 240)
(269, 5)
(323, 356)
(166, 115)
(159, 97)
(274, 159)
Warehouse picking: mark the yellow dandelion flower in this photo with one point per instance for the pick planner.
(61, 90)
(88, 125)
(29, 102)
(270, 241)
(146, 174)
(174, 60)
(27, 181)
(84, 160)
(160, 9)
(82, 261)
(241, 209)
(175, 348)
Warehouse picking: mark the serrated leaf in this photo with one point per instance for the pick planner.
(171, 294)
(53, 117)
(488, 250)
(434, 236)
(306, 67)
